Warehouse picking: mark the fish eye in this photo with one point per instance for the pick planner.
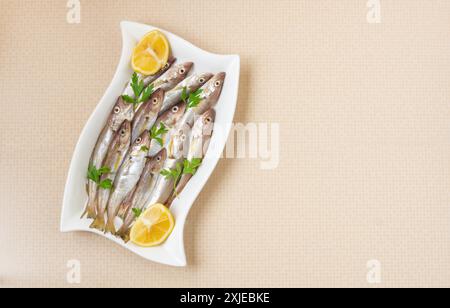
(175, 109)
(208, 120)
(182, 71)
(201, 80)
(155, 101)
(123, 133)
(117, 110)
(217, 83)
(183, 137)
(139, 140)
(158, 159)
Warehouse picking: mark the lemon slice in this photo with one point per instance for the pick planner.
(151, 53)
(153, 227)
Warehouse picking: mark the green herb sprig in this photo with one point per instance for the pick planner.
(137, 212)
(191, 167)
(141, 93)
(188, 168)
(173, 174)
(192, 100)
(95, 175)
(157, 133)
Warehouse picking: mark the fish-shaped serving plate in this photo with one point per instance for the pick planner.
(172, 252)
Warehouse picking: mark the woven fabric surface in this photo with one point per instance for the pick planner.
(364, 147)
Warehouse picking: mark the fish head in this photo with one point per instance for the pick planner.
(198, 81)
(201, 134)
(122, 111)
(156, 101)
(142, 143)
(211, 93)
(179, 144)
(180, 71)
(125, 134)
(206, 122)
(156, 163)
(174, 114)
(215, 86)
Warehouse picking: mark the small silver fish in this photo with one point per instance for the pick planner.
(121, 112)
(116, 154)
(173, 76)
(143, 191)
(170, 118)
(147, 114)
(165, 185)
(191, 84)
(149, 79)
(127, 177)
(198, 145)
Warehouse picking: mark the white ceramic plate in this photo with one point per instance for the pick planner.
(75, 196)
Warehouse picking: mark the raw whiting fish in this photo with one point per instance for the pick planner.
(198, 145)
(172, 77)
(147, 114)
(143, 191)
(165, 185)
(191, 84)
(127, 177)
(121, 112)
(116, 154)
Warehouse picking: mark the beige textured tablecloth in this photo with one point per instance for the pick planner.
(364, 165)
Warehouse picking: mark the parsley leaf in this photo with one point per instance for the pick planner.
(145, 149)
(191, 167)
(157, 133)
(192, 100)
(188, 167)
(128, 99)
(95, 175)
(184, 95)
(106, 184)
(173, 174)
(141, 93)
(137, 212)
(144, 97)
(137, 85)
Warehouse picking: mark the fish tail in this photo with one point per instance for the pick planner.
(90, 210)
(110, 227)
(99, 223)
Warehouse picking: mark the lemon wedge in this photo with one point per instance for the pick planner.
(153, 226)
(151, 53)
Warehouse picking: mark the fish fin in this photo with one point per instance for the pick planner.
(99, 223)
(110, 227)
(84, 213)
(90, 210)
(124, 234)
